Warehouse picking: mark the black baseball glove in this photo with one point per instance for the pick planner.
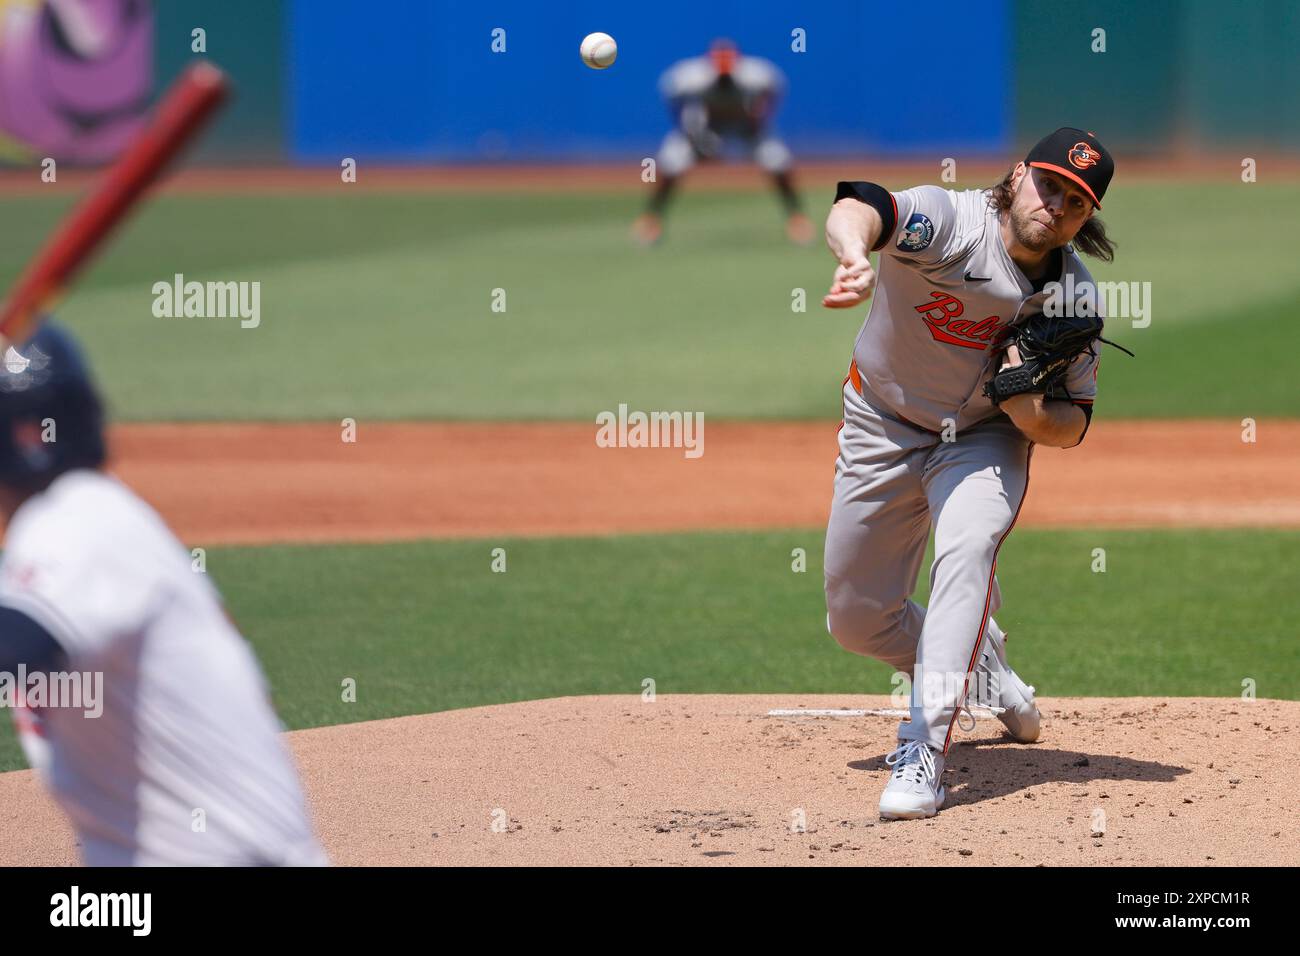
(1048, 345)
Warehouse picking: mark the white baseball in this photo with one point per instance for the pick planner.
(598, 50)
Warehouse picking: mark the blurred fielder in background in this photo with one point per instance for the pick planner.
(720, 100)
(178, 760)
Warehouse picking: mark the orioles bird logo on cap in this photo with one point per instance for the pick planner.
(1082, 156)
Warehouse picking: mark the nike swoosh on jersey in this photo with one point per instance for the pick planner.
(971, 278)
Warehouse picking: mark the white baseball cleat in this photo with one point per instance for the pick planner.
(1013, 699)
(648, 229)
(915, 790)
(799, 229)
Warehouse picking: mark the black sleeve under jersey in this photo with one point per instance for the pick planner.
(878, 198)
(23, 641)
(1087, 418)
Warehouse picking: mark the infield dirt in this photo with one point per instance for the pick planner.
(267, 483)
(713, 780)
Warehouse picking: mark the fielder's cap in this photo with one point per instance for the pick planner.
(1077, 155)
(723, 53)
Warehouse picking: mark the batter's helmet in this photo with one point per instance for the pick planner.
(51, 418)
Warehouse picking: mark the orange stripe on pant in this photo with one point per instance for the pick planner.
(856, 378)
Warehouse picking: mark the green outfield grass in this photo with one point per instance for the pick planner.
(379, 306)
(428, 626)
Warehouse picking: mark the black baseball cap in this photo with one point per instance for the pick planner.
(1077, 155)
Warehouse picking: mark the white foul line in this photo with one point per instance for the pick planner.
(879, 712)
(804, 712)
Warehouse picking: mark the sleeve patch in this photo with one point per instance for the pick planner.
(917, 234)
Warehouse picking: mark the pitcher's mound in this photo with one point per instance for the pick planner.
(717, 779)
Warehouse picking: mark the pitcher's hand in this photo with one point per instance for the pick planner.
(853, 283)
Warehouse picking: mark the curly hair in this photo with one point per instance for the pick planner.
(1091, 239)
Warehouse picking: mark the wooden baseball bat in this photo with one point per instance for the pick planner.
(185, 108)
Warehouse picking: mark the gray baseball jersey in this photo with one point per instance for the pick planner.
(946, 294)
(922, 449)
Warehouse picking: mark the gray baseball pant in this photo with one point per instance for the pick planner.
(893, 482)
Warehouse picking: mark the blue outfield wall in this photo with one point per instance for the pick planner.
(414, 80)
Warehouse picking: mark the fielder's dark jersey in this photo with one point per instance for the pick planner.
(739, 104)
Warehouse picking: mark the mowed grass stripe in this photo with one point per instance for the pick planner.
(379, 306)
(429, 626)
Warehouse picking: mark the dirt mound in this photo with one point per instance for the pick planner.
(253, 484)
(716, 780)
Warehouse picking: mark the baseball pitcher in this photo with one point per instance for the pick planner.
(968, 358)
(178, 760)
(720, 100)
